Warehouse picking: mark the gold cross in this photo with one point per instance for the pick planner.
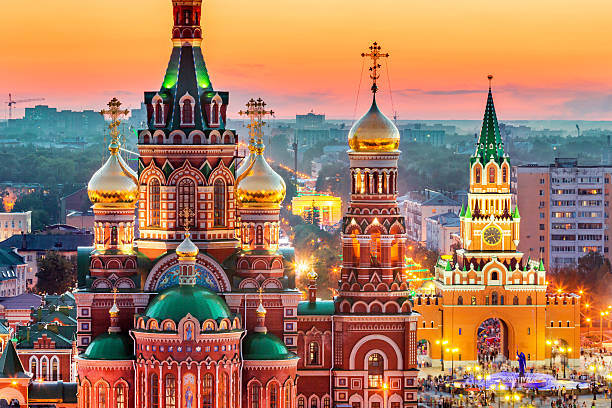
(114, 113)
(115, 295)
(375, 55)
(256, 112)
(260, 290)
(186, 214)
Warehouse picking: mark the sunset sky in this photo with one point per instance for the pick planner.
(550, 59)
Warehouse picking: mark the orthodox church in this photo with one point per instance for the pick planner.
(199, 308)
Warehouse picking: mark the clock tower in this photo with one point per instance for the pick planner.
(489, 225)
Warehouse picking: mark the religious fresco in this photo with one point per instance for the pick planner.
(204, 277)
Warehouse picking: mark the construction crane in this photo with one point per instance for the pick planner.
(11, 103)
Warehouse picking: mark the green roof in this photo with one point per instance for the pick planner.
(10, 365)
(110, 346)
(176, 302)
(320, 307)
(265, 346)
(490, 143)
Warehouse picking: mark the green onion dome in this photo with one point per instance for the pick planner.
(178, 301)
(265, 346)
(110, 346)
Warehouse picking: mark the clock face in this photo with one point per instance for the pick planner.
(491, 235)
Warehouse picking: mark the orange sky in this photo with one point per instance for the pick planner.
(551, 59)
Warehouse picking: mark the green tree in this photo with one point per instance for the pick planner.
(56, 273)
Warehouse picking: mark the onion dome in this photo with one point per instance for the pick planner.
(110, 346)
(265, 346)
(374, 132)
(312, 275)
(187, 250)
(260, 185)
(178, 301)
(114, 184)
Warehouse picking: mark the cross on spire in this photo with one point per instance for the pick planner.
(375, 55)
(114, 113)
(490, 80)
(256, 111)
(186, 214)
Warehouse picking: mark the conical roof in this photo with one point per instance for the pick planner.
(490, 144)
(10, 365)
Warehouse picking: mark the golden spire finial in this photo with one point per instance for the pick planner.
(490, 79)
(186, 214)
(261, 310)
(256, 112)
(114, 113)
(114, 310)
(375, 55)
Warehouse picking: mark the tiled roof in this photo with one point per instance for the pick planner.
(440, 199)
(23, 301)
(48, 242)
(61, 335)
(10, 365)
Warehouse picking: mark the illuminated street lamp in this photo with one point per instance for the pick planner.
(442, 343)
(452, 351)
(512, 397)
(601, 316)
(564, 351)
(500, 387)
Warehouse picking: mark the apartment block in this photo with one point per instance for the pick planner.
(565, 211)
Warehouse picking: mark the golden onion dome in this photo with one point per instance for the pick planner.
(246, 162)
(187, 249)
(374, 132)
(260, 185)
(114, 184)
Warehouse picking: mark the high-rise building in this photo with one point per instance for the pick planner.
(565, 209)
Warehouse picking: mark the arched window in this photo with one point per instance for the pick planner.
(273, 395)
(34, 367)
(477, 175)
(529, 301)
(375, 248)
(376, 368)
(326, 402)
(314, 402)
(154, 202)
(460, 300)
(313, 353)
(224, 390)
(457, 279)
(186, 194)
(287, 395)
(501, 300)
(215, 113)
(102, 396)
(154, 391)
(515, 300)
(504, 174)
(187, 112)
(120, 397)
(55, 370)
(254, 395)
(494, 275)
(473, 301)
(86, 395)
(170, 391)
(208, 395)
(301, 402)
(219, 202)
(159, 113)
(44, 368)
(494, 298)
(491, 174)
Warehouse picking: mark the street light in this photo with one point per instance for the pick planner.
(452, 351)
(601, 316)
(442, 343)
(500, 387)
(564, 352)
(514, 397)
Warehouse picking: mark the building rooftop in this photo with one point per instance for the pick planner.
(68, 242)
(449, 219)
(20, 302)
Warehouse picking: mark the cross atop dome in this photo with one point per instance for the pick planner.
(375, 55)
(255, 110)
(114, 113)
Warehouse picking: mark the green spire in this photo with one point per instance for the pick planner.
(10, 365)
(490, 144)
(464, 268)
(448, 266)
(468, 212)
(516, 214)
(541, 268)
(462, 212)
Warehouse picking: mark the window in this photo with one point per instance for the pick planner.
(159, 113)
(154, 391)
(326, 402)
(460, 300)
(529, 300)
(541, 227)
(170, 391)
(44, 368)
(301, 402)
(494, 276)
(314, 403)
(120, 396)
(186, 194)
(55, 370)
(219, 202)
(255, 390)
(504, 174)
(86, 395)
(215, 113)
(491, 174)
(102, 395)
(224, 390)
(515, 300)
(473, 300)
(34, 367)
(187, 112)
(375, 370)
(208, 395)
(154, 203)
(313, 353)
(494, 298)
(273, 395)
(287, 395)
(477, 175)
